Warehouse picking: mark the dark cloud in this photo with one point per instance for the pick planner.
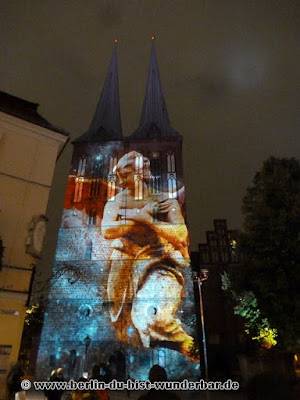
(229, 72)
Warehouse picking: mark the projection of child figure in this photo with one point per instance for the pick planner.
(149, 241)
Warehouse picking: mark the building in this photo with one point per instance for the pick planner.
(29, 147)
(122, 289)
(223, 329)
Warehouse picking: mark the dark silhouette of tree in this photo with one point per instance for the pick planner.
(32, 328)
(269, 248)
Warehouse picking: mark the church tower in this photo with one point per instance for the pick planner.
(122, 291)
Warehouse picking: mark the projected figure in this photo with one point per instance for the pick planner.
(145, 283)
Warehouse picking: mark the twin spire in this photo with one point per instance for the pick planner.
(154, 121)
(106, 124)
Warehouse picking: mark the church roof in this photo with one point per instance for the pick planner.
(154, 121)
(106, 124)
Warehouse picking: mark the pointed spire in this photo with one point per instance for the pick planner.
(154, 121)
(106, 124)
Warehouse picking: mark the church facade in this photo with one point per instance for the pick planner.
(122, 289)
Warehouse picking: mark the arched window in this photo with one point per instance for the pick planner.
(81, 166)
(138, 188)
(171, 176)
(138, 177)
(155, 174)
(112, 178)
(79, 180)
(172, 186)
(96, 177)
(78, 189)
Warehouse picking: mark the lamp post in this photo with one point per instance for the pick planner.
(203, 276)
(87, 341)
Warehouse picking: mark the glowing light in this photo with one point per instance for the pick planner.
(296, 358)
(152, 37)
(232, 244)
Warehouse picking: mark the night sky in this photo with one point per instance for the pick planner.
(229, 70)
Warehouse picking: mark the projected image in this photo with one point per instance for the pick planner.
(122, 275)
(149, 252)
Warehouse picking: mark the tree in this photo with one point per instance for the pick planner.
(269, 249)
(32, 328)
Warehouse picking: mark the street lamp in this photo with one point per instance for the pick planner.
(203, 276)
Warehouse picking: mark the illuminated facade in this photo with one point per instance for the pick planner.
(122, 275)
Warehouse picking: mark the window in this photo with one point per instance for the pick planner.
(112, 177)
(78, 189)
(81, 166)
(172, 186)
(155, 174)
(214, 255)
(96, 177)
(92, 218)
(171, 162)
(79, 179)
(9, 312)
(171, 176)
(138, 177)
(88, 251)
(204, 253)
(162, 358)
(224, 255)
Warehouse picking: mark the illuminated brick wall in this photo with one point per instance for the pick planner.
(121, 278)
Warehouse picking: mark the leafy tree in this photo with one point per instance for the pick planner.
(246, 306)
(269, 249)
(34, 319)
